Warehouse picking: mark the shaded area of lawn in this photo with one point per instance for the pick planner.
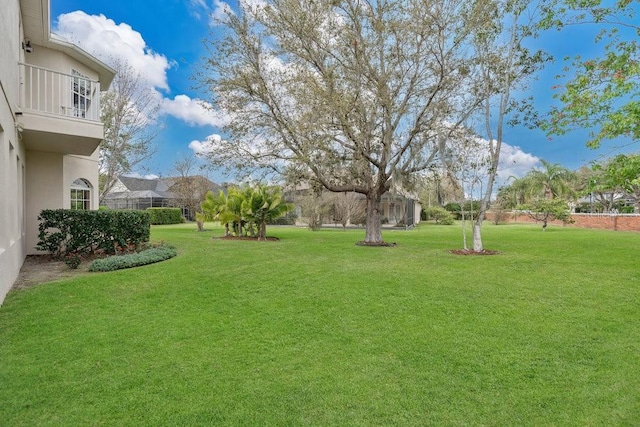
(313, 330)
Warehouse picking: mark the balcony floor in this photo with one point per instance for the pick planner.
(59, 134)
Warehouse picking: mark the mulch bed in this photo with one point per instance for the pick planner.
(375, 244)
(268, 238)
(472, 252)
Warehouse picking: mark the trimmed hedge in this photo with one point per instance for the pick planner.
(119, 262)
(165, 216)
(66, 231)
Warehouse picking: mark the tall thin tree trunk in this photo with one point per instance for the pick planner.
(464, 229)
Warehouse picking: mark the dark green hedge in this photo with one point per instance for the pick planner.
(163, 216)
(65, 231)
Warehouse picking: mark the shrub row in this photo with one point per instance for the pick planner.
(137, 259)
(164, 216)
(65, 231)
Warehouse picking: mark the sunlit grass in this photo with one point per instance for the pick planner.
(314, 330)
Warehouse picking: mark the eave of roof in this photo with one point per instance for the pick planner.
(36, 22)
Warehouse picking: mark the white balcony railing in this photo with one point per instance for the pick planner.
(59, 94)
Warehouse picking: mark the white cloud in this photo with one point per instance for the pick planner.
(202, 148)
(253, 4)
(219, 12)
(192, 111)
(110, 42)
(113, 42)
(514, 162)
(139, 175)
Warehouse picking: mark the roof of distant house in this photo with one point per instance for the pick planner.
(136, 187)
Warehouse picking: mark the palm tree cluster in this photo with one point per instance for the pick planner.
(552, 181)
(245, 211)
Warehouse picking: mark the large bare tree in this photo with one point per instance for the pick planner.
(128, 111)
(189, 189)
(352, 93)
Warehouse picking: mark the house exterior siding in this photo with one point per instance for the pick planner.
(42, 150)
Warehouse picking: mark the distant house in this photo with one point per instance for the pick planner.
(142, 193)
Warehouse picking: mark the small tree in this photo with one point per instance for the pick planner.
(623, 173)
(347, 207)
(211, 208)
(545, 210)
(506, 65)
(439, 215)
(262, 205)
(553, 180)
(316, 205)
(189, 190)
(127, 111)
(231, 212)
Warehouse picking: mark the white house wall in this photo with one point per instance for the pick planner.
(45, 186)
(81, 167)
(58, 61)
(37, 178)
(12, 153)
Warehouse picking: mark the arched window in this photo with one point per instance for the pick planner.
(80, 195)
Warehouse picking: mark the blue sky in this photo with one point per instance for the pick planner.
(164, 41)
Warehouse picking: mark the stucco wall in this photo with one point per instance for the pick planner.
(76, 167)
(12, 153)
(45, 183)
(54, 60)
(32, 180)
(10, 52)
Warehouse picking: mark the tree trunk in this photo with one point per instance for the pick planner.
(482, 210)
(464, 228)
(373, 232)
(477, 236)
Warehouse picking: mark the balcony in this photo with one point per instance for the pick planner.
(59, 112)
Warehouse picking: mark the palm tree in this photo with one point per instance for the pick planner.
(262, 205)
(553, 180)
(211, 208)
(231, 211)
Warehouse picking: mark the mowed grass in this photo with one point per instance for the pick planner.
(314, 330)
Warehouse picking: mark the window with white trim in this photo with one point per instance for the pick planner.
(80, 195)
(80, 94)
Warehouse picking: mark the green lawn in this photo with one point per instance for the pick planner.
(314, 330)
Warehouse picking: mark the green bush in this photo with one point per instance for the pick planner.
(73, 261)
(118, 262)
(65, 231)
(456, 209)
(164, 216)
(439, 215)
(453, 207)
